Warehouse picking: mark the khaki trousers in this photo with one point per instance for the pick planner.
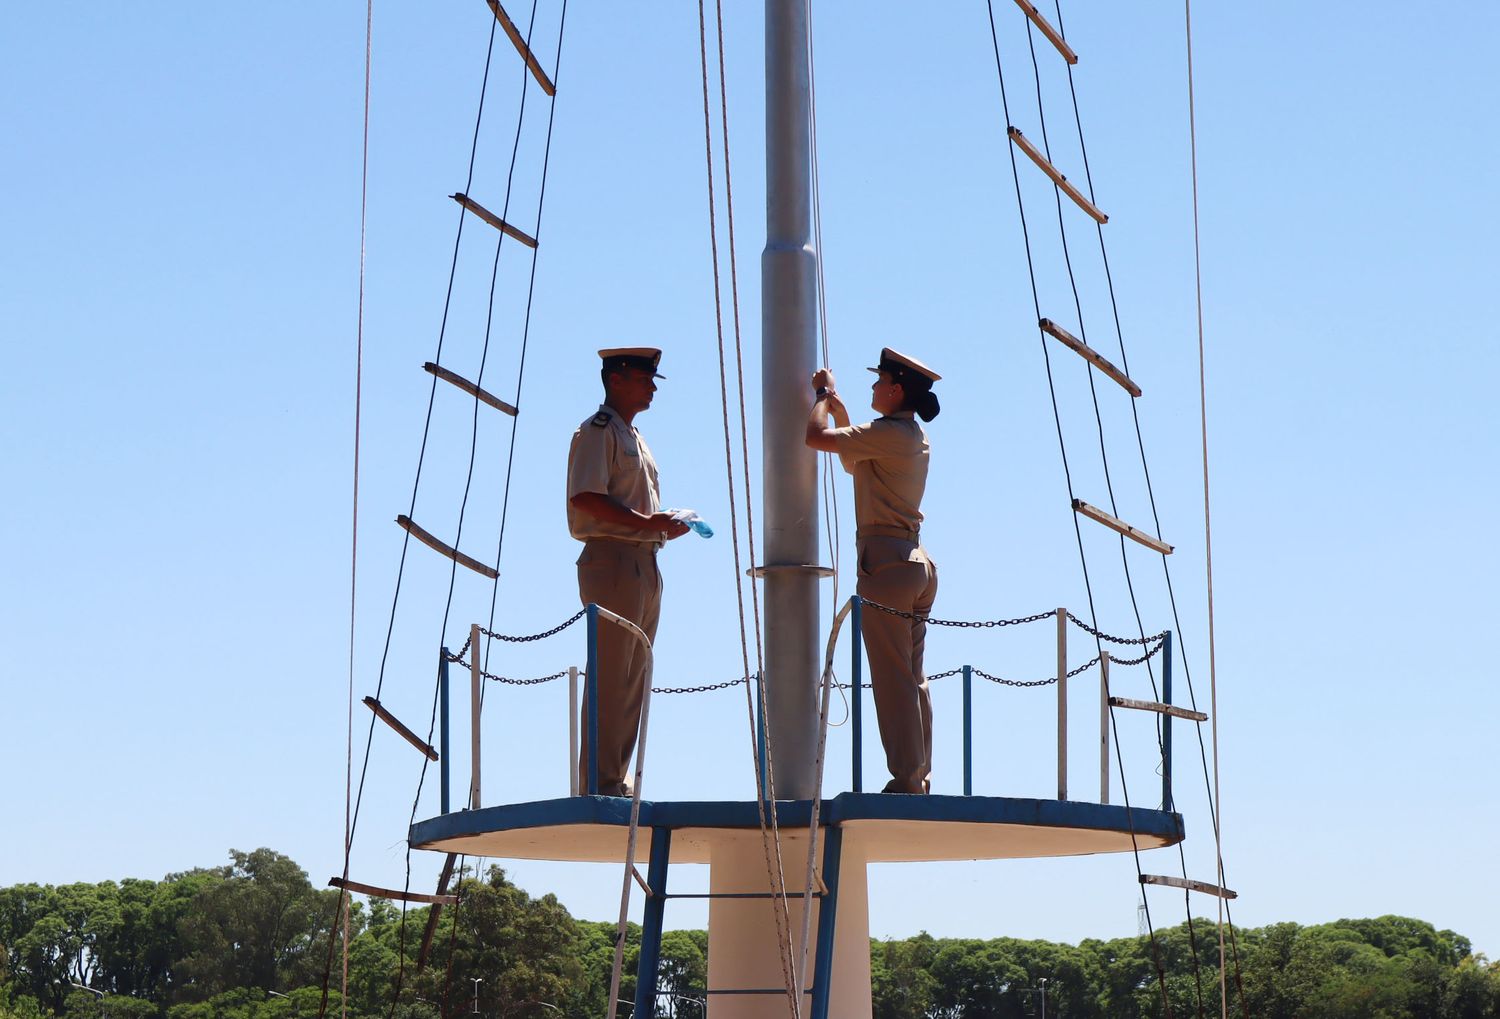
(896, 573)
(622, 577)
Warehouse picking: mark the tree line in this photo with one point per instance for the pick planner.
(255, 940)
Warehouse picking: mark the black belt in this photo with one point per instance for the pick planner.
(650, 546)
(878, 531)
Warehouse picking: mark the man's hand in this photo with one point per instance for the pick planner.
(822, 379)
(669, 526)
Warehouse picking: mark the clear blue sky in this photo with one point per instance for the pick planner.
(180, 195)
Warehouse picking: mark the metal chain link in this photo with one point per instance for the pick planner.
(524, 682)
(559, 628)
(1137, 661)
(961, 623)
(701, 689)
(458, 656)
(1112, 638)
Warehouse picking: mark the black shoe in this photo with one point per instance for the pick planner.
(900, 787)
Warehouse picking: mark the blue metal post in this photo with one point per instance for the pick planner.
(856, 695)
(1166, 722)
(833, 844)
(968, 730)
(760, 736)
(656, 901)
(443, 727)
(591, 698)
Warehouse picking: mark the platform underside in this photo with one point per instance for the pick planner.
(888, 828)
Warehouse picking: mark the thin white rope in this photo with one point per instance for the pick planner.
(359, 357)
(1208, 544)
(830, 489)
(830, 505)
(765, 795)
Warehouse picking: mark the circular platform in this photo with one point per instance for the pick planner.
(888, 828)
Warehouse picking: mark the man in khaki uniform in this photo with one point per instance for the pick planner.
(614, 508)
(888, 459)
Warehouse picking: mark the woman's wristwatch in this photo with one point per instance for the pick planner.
(823, 392)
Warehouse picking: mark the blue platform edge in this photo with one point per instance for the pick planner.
(845, 807)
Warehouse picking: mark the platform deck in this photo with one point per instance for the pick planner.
(890, 828)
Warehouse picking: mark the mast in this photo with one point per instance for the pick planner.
(788, 359)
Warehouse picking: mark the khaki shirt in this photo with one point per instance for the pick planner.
(888, 459)
(610, 457)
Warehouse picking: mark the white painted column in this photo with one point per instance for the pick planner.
(743, 950)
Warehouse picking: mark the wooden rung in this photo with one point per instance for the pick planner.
(405, 733)
(452, 553)
(435, 911)
(520, 43)
(1089, 354)
(1115, 523)
(470, 388)
(493, 220)
(1192, 886)
(391, 893)
(1024, 144)
(1159, 708)
(1052, 34)
(641, 881)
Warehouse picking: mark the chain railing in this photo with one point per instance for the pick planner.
(1152, 646)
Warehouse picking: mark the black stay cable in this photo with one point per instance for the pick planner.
(1103, 447)
(1057, 418)
(526, 80)
(411, 510)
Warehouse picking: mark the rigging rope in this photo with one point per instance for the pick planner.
(764, 783)
(359, 359)
(1208, 544)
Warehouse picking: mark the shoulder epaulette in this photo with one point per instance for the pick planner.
(600, 419)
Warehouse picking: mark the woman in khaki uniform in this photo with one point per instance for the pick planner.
(888, 460)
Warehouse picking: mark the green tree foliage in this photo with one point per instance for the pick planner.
(250, 940)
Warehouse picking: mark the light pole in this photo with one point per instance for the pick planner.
(477, 982)
(84, 987)
(1043, 982)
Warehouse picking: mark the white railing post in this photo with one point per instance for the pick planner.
(572, 730)
(474, 695)
(1062, 703)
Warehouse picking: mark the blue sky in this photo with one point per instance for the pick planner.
(178, 280)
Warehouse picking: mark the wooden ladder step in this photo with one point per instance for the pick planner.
(1115, 523)
(1159, 708)
(1192, 886)
(431, 542)
(519, 42)
(1047, 29)
(391, 893)
(493, 220)
(1089, 354)
(405, 733)
(1045, 165)
(435, 911)
(483, 395)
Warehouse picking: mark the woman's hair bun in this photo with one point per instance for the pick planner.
(927, 406)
